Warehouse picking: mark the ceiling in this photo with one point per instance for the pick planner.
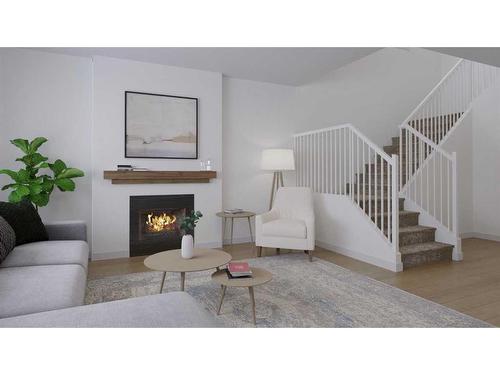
(287, 66)
(484, 55)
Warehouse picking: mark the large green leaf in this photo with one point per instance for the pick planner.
(35, 189)
(32, 160)
(38, 180)
(23, 176)
(11, 174)
(47, 184)
(58, 167)
(22, 190)
(36, 143)
(70, 173)
(22, 144)
(14, 197)
(65, 184)
(40, 199)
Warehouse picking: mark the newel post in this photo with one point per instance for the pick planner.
(457, 249)
(395, 207)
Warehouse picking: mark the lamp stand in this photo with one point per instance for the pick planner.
(277, 183)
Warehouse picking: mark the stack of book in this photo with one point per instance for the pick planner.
(127, 167)
(238, 269)
(233, 211)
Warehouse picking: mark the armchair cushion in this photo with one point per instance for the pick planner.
(292, 228)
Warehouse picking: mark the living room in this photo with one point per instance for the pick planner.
(248, 185)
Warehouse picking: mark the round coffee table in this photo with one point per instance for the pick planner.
(259, 276)
(172, 261)
(239, 215)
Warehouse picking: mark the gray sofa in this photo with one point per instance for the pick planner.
(42, 284)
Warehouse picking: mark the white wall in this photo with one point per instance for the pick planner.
(51, 95)
(344, 228)
(43, 94)
(256, 116)
(486, 141)
(460, 141)
(111, 202)
(375, 93)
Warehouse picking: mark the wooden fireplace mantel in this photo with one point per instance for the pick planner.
(159, 177)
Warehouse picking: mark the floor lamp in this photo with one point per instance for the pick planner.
(277, 160)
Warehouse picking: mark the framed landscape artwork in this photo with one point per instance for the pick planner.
(160, 126)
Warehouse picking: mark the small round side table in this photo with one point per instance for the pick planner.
(259, 276)
(172, 261)
(239, 215)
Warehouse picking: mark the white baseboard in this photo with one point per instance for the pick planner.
(110, 255)
(126, 254)
(395, 267)
(209, 245)
(483, 236)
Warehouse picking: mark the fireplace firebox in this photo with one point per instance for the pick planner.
(155, 222)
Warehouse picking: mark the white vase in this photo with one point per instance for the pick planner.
(187, 246)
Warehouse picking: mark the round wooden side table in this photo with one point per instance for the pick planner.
(259, 276)
(172, 261)
(239, 215)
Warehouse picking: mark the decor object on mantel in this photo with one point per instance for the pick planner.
(128, 167)
(28, 184)
(159, 177)
(277, 160)
(187, 225)
(160, 126)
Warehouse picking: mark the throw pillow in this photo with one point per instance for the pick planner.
(24, 219)
(7, 239)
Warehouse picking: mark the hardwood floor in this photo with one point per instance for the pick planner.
(471, 286)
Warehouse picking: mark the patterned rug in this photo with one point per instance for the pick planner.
(301, 294)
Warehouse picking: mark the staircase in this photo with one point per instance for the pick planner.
(413, 172)
(417, 243)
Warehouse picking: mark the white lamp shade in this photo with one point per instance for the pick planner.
(277, 160)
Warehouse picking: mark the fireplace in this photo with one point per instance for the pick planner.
(155, 222)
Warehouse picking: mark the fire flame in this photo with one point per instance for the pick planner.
(160, 223)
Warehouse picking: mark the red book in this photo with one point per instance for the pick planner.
(238, 267)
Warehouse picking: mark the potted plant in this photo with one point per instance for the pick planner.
(187, 226)
(30, 182)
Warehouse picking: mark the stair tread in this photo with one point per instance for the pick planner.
(401, 213)
(415, 228)
(421, 247)
(370, 197)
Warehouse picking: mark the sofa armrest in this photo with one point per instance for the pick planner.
(67, 230)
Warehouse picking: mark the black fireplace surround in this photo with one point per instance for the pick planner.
(155, 222)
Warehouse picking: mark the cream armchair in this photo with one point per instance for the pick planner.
(289, 224)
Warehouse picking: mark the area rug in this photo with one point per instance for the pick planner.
(301, 294)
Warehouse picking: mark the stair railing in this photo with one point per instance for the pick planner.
(428, 173)
(341, 160)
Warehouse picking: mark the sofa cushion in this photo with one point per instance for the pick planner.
(27, 290)
(176, 309)
(24, 219)
(284, 228)
(47, 253)
(7, 239)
